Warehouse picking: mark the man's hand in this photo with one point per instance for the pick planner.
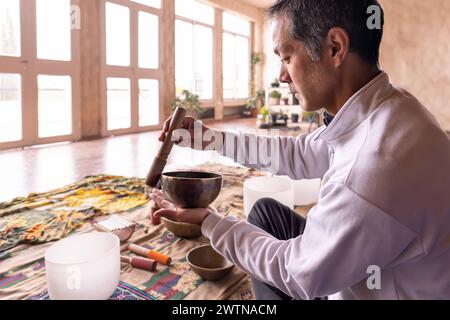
(190, 124)
(170, 211)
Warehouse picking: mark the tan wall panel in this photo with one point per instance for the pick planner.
(90, 69)
(416, 51)
(168, 89)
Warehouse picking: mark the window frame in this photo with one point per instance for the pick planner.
(205, 103)
(28, 66)
(233, 102)
(133, 72)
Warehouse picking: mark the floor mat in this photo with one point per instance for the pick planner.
(31, 224)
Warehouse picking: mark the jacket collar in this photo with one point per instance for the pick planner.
(358, 108)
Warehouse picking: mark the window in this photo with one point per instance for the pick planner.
(148, 102)
(55, 105)
(10, 107)
(194, 48)
(117, 35)
(10, 28)
(39, 73)
(235, 24)
(131, 66)
(148, 41)
(119, 103)
(150, 3)
(236, 57)
(53, 30)
(194, 10)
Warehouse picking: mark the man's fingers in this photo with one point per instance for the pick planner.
(165, 129)
(161, 194)
(167, 124)
(162, 202)
(171, 214)
(153, 219)
(156, 221)
(187, 123)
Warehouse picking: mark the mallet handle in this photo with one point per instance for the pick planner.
(160, 160)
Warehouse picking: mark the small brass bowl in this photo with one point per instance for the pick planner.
(208, 264)
(188, 189)
(182, 230)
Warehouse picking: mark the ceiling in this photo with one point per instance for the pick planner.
(260, 3)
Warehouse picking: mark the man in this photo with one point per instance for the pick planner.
(381, 229)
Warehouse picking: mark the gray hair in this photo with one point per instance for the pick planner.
(311, 20)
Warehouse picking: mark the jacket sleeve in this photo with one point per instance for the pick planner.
(344, 236)
(302, 157)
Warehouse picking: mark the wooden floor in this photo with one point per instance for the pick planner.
(44, 168)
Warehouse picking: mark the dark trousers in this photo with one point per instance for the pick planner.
(282, 223)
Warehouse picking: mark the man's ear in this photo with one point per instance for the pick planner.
(338, 46)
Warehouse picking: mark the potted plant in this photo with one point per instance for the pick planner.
(275, 97)
(251, 108)
(256, 59)
(274, 118)
(275, 83)
(256, 100)
(254, 104)
(260, 99)
(190, 102)
(264, 113)
(263, 117)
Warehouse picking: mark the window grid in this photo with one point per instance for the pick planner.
(236, 70)
(196, 83)
(137, 72)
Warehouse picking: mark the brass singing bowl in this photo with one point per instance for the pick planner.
(190, 189)
(208, 264)
(182, 230)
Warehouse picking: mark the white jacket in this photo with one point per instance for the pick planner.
(385, 202)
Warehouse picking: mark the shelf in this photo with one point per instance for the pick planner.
(285, 93)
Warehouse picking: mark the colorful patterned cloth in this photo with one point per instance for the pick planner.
(50, 216)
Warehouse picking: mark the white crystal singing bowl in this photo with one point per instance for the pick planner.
(278, 188)
(83, 267)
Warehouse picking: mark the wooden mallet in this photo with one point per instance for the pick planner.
(160, 161)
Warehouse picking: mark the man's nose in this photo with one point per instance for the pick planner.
(284, 75)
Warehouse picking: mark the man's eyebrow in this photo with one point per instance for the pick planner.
(285, 47)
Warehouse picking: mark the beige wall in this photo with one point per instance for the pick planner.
(416, 51)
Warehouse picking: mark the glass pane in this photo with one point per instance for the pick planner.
(119, 103)
(235, 24)
(243, 66)
(150, 3)
(10, 28)
(194, 58)
(203, 47)
(53, 27)
(184, 55)
(148, 102)
(194, 10)
(10, 107)
(148, 41)
(55, 105)
(229, 67)
(117, 35)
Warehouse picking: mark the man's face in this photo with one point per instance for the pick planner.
(310, 81)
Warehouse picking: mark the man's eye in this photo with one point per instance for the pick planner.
(286, 60)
